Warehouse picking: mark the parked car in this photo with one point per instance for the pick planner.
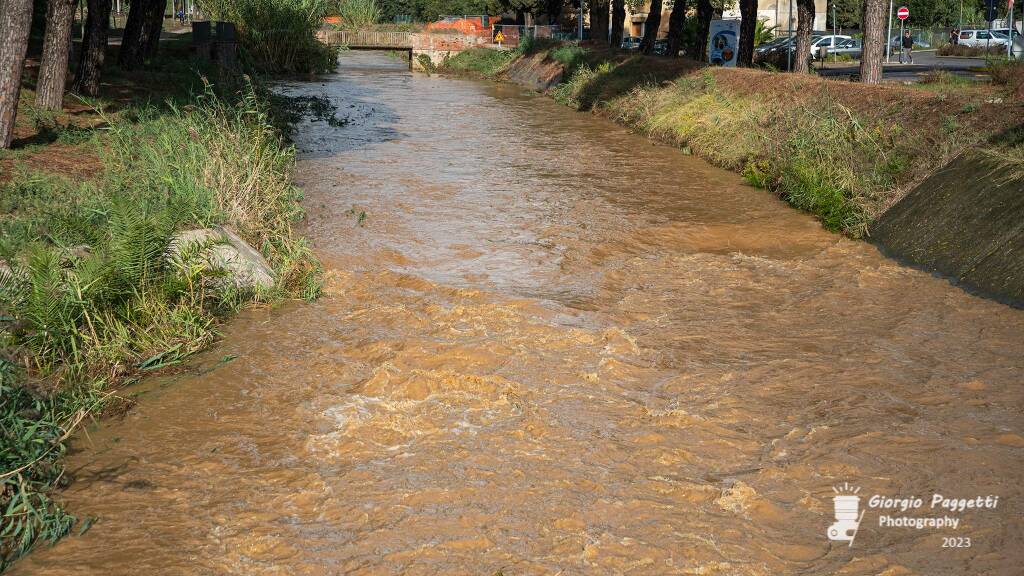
(919, 41)
(982, 38)
(768, 46)
(631, 43)
(1006, 32)
(825, 44)
(851, 47)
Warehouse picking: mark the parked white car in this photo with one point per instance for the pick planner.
(822, 46)
(982, 38)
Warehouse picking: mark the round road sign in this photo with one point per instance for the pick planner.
(903, 13)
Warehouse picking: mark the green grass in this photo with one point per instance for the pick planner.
(88, 299)
(482, 62)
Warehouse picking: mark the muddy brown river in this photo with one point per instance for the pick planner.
(550, 347)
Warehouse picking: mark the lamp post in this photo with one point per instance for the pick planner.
(789, 54)
(888, 35)
(579, 28)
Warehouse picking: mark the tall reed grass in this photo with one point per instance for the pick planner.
(278, 36)
(359, 13)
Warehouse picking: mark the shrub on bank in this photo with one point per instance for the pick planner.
(278, 36)
(970, 51)
(88, 296)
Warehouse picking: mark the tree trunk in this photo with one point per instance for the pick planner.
(705, 10)
(94, 48)
(141, 32)
(15, 21)
(804, 24)
(53, 69)
(676, 23)
(874, 41)
(599, 20)
(618, 21)
(748, 28)
(651, 28)
(156, 27)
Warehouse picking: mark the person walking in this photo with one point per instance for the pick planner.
(908, 48)
(954, 36)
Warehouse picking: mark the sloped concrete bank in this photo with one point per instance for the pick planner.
(965, 221)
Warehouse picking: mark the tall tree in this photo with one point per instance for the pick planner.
(804, 24)
(599, 20)
(156, 27)
(618, 21)
(15, 21)
(676, 23)
(874, 41)
(705, 10)
(748, 29)
(94, 48)
(141, 31)
(53, 68)
(651, 27)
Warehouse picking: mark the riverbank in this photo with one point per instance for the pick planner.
(95, 292)
(843, 151)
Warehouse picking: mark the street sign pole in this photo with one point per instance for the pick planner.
(901, 42)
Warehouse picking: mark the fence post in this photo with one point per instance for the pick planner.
(227, 45)
(201, 39)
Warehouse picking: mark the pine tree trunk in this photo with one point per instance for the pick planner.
(676, 23)
(134, 42)
(705, 10)
(53, 69)
(94, 48)
(15, 21)
(651, 28)
(156, 27)
(599, 20)
(804, 24)
(618, 21)
(748, 28)
(874, 41)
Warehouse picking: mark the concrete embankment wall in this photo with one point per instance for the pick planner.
(964, 221)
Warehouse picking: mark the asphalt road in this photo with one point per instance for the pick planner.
(924, 61)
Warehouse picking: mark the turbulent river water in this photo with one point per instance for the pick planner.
(550, 347)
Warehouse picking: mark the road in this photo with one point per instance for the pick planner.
(924, 61)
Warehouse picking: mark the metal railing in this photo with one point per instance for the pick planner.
(511, 34)
(368, 39)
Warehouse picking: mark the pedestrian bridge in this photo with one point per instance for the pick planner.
(422, 46)
(369, 39)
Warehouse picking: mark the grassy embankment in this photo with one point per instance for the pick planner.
(89, 200)
(843, 151)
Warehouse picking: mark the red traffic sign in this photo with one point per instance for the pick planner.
(903, 13)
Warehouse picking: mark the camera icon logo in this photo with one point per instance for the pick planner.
(848, 515)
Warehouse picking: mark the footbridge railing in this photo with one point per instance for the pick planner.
(369, 39)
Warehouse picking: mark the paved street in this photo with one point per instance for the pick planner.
(924, 61)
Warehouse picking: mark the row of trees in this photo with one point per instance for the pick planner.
(140, 41)
(872, 25)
